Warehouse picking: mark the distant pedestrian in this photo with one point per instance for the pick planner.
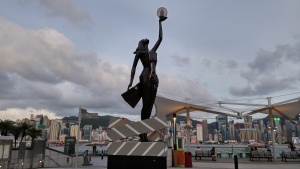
(213, 154)
(47, 143)
(268, 146)
(292, 147)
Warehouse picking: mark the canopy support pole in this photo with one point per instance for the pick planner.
(272, 127)
(188, 122)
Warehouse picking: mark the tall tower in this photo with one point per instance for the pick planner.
(54, 130)
(205, 129)
(248, 121)
(87, 132)
(222, 126)
(199, 132)
(231, 130)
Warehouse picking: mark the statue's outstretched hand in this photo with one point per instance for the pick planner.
(161, 19)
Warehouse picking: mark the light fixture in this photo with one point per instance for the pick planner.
(162, 12)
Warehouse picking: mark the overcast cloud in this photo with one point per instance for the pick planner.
(57, 56)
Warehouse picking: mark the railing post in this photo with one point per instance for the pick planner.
(236, 166)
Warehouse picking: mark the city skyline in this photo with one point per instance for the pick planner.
(251, 130)
(54, 60)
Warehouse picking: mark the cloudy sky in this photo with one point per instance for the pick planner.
(59, 55)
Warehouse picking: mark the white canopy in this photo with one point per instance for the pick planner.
(286, 110)
(165, 106)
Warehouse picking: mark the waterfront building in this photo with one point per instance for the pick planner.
(222, 122)
(255, 124)
(248, 121)
(100, 129)
(46, 121)
(205, 129)
(247, 134)
(74, 131)
(220, 119)
(87, 132)
(224, 135)
(85, 114)
(231, 133)
(54, 131)
(277, 124)
(199, 131)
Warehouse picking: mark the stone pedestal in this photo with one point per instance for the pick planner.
(136, 162)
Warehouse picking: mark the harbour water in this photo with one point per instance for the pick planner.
(224, 149)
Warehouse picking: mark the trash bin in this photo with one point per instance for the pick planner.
(188, 160)
(180, 158)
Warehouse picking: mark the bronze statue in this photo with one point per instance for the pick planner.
(148, 78)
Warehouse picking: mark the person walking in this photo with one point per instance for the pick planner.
(213, 154)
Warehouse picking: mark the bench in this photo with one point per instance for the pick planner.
(202, 153)
(289, 155)
(261, 154)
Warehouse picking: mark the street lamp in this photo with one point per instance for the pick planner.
(174, 119)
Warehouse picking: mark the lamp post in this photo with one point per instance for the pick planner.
(174, 144)
(175, 132)
(78, 134)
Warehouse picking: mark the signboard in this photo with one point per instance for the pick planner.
(5, 149)
(22, 149)
(69, 145)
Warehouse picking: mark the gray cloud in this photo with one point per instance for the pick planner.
(41, 69)
(271, 72)
(180, 60)
(68, 10)
(265, 85)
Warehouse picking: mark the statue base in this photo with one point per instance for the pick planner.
(136, 162)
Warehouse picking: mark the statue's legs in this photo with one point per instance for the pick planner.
(148, 92)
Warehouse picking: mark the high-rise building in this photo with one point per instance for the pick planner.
(231, 133)
(31, 116)
(74, 131)
(54, 130)
(199, 131)
(248, 134)
(87, 132)
(205, 129)
(248, 121)
(85, 114)
(220, 119)
(222, 126)
(46, 121)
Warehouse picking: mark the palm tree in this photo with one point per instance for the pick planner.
(6, 126)
(24, 129)
(34, 133)
(16, 132)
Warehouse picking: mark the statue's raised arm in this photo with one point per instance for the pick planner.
(160, 35)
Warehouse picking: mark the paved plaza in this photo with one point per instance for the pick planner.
(224, 163)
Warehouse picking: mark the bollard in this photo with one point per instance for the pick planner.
(236, 166)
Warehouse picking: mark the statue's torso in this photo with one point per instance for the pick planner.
(146, 59)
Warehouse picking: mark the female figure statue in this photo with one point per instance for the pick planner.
(148, 77)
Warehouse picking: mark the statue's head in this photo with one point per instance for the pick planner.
(142, 45)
